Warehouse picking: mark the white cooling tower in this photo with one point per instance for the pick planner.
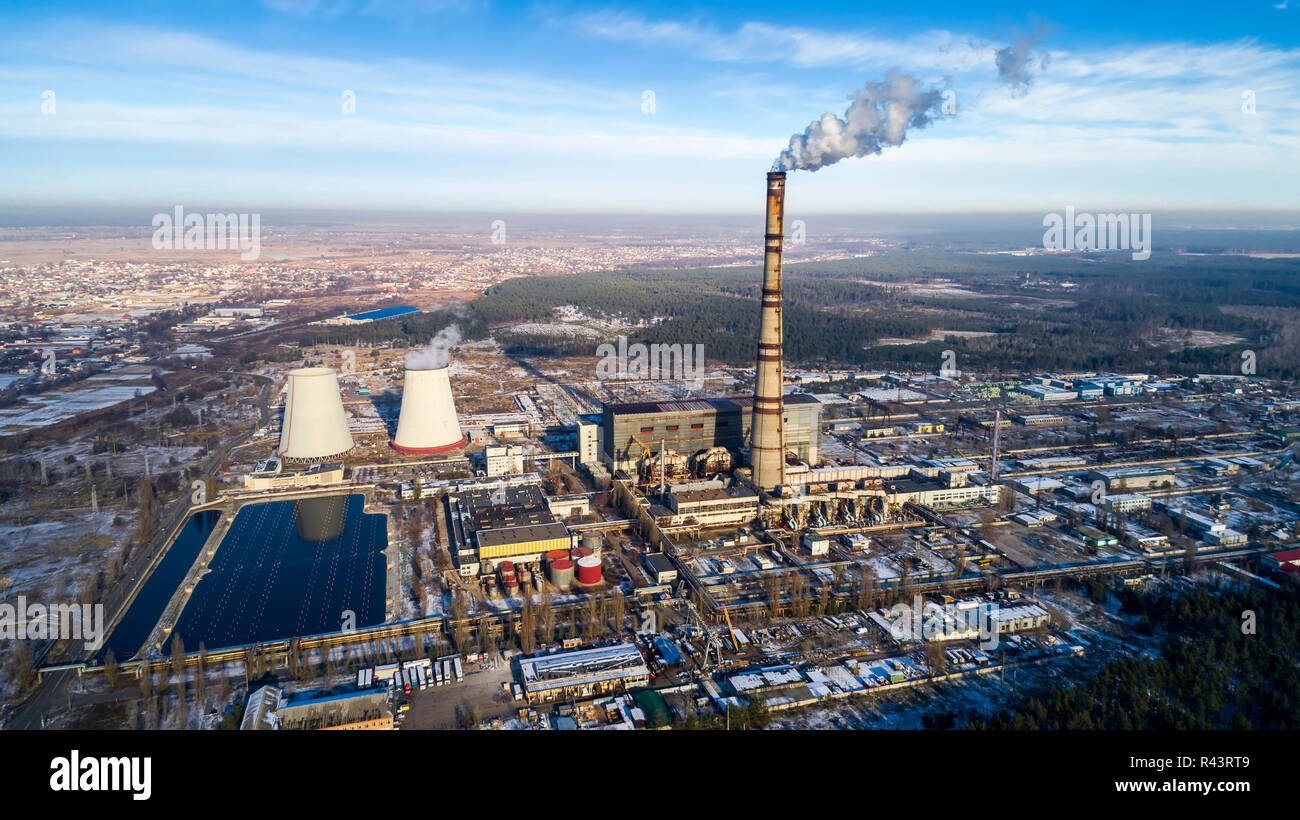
(315, 427)
(427, 424)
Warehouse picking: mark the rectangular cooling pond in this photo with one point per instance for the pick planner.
(290, 568)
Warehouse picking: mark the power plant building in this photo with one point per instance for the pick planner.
(269, 475)
(515, 523)
(527, 543)
(714, 506)
(687, 427)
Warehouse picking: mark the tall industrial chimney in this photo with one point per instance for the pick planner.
(426, 424)
(767, 430)
(315, 428)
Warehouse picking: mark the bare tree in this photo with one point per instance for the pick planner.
(178, 655)
(528, 626)
(617, 610)
(460, 624)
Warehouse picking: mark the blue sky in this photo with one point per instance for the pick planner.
(472, 105)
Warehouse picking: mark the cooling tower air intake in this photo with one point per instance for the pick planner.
(315, 428)
(427, 422)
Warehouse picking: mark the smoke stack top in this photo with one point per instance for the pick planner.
(437, 353)
(879, 115)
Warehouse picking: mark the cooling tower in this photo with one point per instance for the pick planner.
(767, 443)
(315, 427)
(427, 424)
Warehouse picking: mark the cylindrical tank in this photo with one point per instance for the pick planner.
(511, 587)
(556, 555)
(525, 578)
(593, 542)
(562, 573)
(583, 552)
(589, 570)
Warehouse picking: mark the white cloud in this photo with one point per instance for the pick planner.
(1151, 121)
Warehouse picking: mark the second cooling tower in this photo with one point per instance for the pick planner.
(427, 424)
(315, 427)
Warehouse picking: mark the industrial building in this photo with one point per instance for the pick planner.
(1044, 392)
(1144, 538)
(1210, 530)
(504, 460)
(1019, 617)
(1110, 386)
(1127, 502)
(937, 496)
(714, 506)
(270, 708)
(583, 674)
(491, 525)
(588, 442)
(1039, 419)
(660, 567)
(270, 475)
(1136, 478)
(1287, 561)
(1094, 537)
(239, 311)
(567, 506)
(372, 315)
(630, 431)
(526, 543)
(816, 543)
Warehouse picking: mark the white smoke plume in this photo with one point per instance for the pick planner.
(437, 353)
(878, 115)
(1016, 62)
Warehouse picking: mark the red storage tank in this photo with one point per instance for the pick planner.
(589, 570)
(506, 567)
(557, 555)
(583, 552)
